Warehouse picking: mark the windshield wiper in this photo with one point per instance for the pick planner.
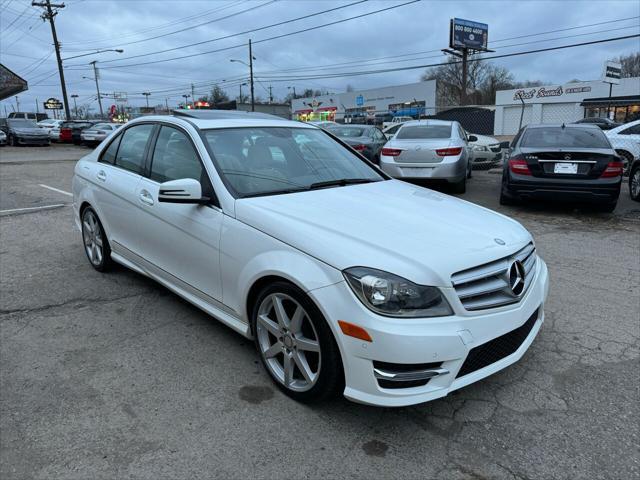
(273, 192)
(341, 182)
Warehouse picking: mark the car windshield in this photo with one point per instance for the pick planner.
(21, 123)
(558, 137)
(271, 160)
(347, 132)
(424, 132)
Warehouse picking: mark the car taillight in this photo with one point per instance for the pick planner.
(391, 152)
(445, 152)
(614, 169)
(359, 148)
(519, 166)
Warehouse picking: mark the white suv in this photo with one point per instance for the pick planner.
(346, 279)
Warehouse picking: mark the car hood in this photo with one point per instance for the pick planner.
(484, 140)
(411, 231)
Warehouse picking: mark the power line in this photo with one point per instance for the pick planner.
(316, 27)
(242, 33)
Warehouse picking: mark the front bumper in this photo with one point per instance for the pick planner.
(33, 140)
(446, 341)
(451, 169)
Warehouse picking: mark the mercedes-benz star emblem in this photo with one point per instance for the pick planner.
(516, 277)
(499, 241)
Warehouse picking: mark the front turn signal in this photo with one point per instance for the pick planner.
(355, 331)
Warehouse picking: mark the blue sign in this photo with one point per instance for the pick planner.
(468, 34)
(359, 100)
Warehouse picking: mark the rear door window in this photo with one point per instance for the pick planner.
(109, 155)
(131, 152)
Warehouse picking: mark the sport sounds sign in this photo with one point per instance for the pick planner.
(53, 104)
(612, 72)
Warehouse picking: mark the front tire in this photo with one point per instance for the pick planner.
(295, 344)
(96, 245)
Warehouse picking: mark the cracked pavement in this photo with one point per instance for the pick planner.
(113, 376)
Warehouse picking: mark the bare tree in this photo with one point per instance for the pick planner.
(217, 95)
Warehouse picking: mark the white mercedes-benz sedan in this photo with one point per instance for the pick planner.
(347, 280)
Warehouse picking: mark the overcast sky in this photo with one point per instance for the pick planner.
(371, 42)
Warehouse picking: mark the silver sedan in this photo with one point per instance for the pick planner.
(430, 150)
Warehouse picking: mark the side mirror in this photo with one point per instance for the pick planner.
(473, 138)
(184, 190)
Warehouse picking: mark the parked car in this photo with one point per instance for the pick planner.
(391, 130)
(574, 163)
(634, 180)
(367, 140)
(394, 120)
(487, 151)
(430, 150)
(25, 132)
(70, 131)
(347, 280)
(625, 139)
(36, 117)
(603, 123)
(324, 123)
(49, 124)
(3, 138)
(54, 133)
(92, 136)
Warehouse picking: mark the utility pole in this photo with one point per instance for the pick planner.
(17, 104)
(463, 95)
(75, 105)
(95, 76)
(240, 100)
(193, 97)
(270, 94)
(253, 101)
(146, 96)
(49, 15)
(166, 102)
(37, 106)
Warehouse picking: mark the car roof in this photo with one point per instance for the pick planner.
(428, 122)
(208, 119)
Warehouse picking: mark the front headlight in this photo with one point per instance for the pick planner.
(480, 148)
(394, 296)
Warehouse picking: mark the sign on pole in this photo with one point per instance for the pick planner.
(468, 34)
(53, 104)
(612, 72)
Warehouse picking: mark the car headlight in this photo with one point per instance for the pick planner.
(394, 296)
(480, 148)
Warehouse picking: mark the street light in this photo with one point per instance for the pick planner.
(294, 91)
(95, 74)
(117, 50)
(250, 65)
(241, 85)
(146, 95)
(75, 105)
(186, 102)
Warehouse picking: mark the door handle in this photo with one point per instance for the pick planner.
(102, 176)
(145, 197)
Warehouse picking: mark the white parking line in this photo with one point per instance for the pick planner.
(14, 211)
(56, 190)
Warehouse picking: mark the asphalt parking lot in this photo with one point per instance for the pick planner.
(112, 376)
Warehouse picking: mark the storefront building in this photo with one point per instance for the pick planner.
(362, 106)
(566, 103)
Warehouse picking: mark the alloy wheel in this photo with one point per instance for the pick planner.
(92, 236)
(288, 342)
(635, 183)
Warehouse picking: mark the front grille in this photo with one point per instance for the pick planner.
(487, 286)
(498, 348)
(495, 148)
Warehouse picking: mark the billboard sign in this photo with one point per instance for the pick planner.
(612, 72)
(53, 104)
(468, 34)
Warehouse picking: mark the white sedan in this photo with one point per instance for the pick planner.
(625, 140)
(347, 280)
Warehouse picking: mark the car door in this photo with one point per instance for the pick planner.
(116, 175)
(181, 240)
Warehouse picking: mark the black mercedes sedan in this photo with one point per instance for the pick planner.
(570, 163)
(368, 140)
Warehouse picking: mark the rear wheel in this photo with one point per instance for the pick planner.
(634, 183)
(295, 343)
(461, 186)
(627, 158)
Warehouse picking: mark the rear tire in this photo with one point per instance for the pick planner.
(279, 342)
(461, 186)
(634, 183)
